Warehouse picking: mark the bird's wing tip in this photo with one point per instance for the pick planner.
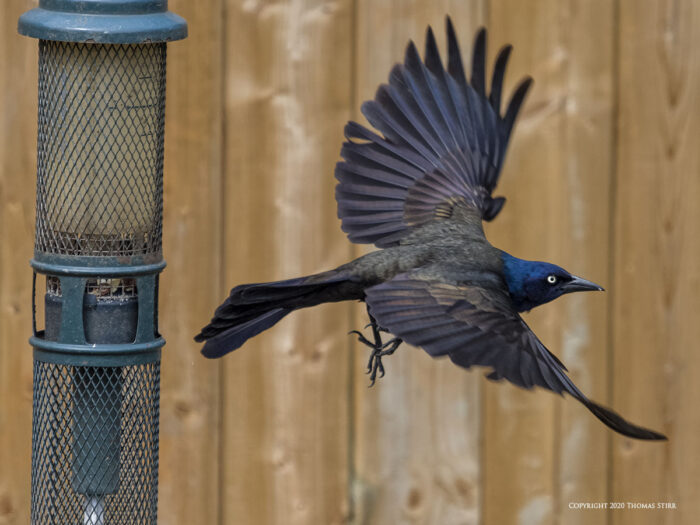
(655, 436)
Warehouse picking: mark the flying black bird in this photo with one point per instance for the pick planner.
(420, 191)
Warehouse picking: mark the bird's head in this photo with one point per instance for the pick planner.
(532, 283)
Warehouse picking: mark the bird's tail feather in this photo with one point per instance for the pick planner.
(253, 308)
(232, 338)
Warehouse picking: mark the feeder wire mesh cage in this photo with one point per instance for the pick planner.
(98, 246)
(100, 154)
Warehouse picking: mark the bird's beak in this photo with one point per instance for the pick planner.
(577, 284)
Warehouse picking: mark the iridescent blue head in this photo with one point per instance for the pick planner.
(532, 283)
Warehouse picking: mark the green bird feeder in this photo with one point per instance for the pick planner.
(99, 252)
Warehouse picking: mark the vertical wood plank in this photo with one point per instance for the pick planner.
(286, 407)
(425, 445)
(417, 430)
(557, 181)
(190, 395)
(582, 471)
(18, 102)
(657, 278)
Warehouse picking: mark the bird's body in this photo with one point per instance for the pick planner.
(420, 192)
(448, 249)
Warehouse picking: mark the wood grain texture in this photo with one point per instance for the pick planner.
(18, 102)
(417, 430)
(285, 436)
(191, 284)
(602, 177)
(657, 278)
(587, 32)
(557, 181)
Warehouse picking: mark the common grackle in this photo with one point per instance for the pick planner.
(420, 191)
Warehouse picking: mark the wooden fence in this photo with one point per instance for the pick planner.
(603, 177)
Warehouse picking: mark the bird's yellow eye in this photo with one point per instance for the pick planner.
(552, 279)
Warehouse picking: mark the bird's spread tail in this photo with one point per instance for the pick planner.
(253, 308)
(234, 336)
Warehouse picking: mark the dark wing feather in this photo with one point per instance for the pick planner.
(443, 140)
(499, 73)
(476, 325)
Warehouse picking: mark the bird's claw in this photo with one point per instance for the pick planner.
(375, 365)
(379, 349)
(361, 338)
(375, 359)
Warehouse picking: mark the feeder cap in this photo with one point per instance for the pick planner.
(103, 21)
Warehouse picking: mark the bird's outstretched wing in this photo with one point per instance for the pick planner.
(476, 325)
(444, 140)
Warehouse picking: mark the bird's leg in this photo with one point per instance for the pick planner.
(375, 360)
(379, 348)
